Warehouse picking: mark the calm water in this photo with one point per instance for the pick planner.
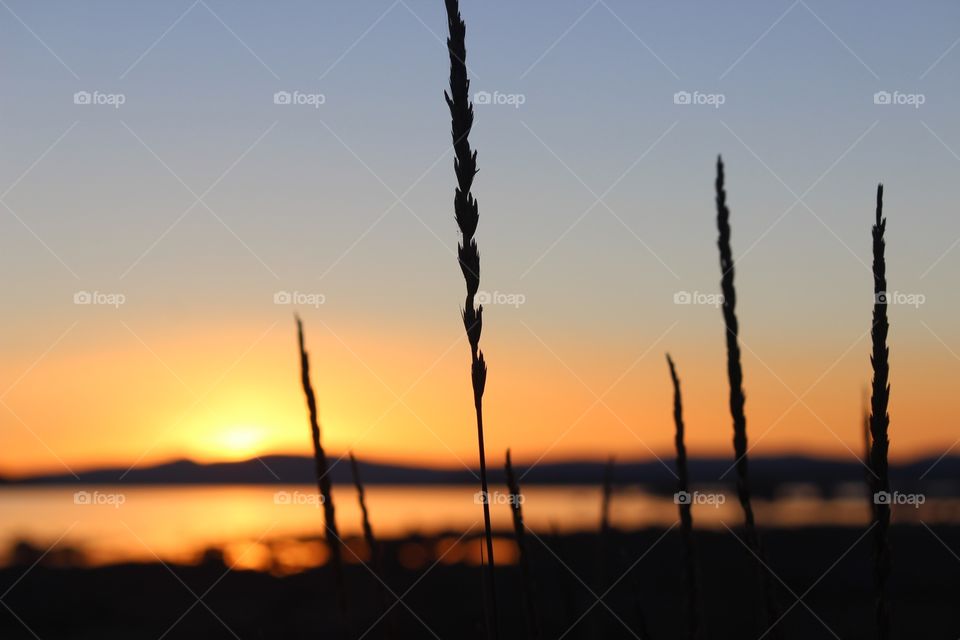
(254, 523)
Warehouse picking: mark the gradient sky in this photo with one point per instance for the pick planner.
(199, 198)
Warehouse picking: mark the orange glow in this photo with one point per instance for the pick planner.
(238, 443)
(293, 556)
(247, 555)
(229, 394)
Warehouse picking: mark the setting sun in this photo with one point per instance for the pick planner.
(239, 442)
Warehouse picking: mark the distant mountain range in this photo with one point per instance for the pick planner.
(768, 475)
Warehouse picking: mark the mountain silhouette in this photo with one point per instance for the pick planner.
(769, 474)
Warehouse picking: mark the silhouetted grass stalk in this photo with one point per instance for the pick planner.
(686, 516)
(880, 420)
(323, 479)
(737, 399)
(603, 546)
(467, 216)
(638, 604)
(519, 531)
(375, 558)
(606, 498)
(606, 533)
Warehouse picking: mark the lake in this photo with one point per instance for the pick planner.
(250, 523)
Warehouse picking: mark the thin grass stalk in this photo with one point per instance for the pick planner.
(686, 515)
(568, 597)
(737, 398)
(640, 618)
(368, 536)
(603, 547)
(880, 421)
(376, 565)
(606, 498)
(467, 216)
(519, 532)
(606, 532)
(323, 479)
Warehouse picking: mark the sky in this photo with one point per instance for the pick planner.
(165, 212)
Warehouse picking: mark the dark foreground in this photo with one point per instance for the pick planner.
(828, 568)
